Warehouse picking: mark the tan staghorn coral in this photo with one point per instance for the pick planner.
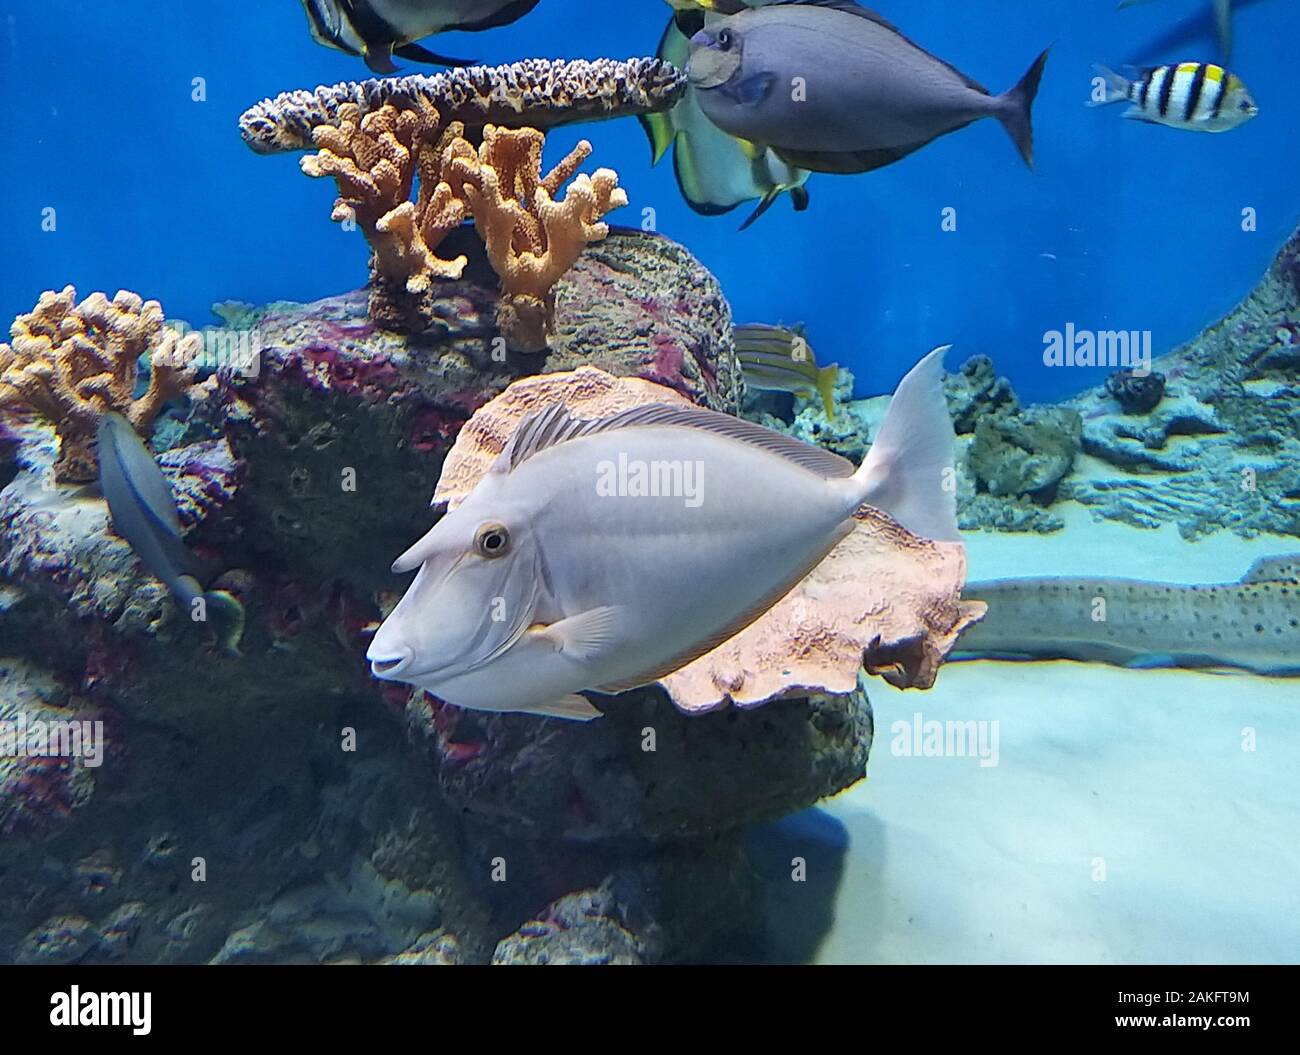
(531, 238)
(378, 159)
(72, 363)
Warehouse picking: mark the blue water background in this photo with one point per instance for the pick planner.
(1123, 225)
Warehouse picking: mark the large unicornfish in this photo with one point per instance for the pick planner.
(715, 172)
(1252, 624)
(832, 87)
(379, 29)
(603, 555)
(144, 513)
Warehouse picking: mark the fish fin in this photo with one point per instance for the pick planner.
(766, 203)
(1117, 86)
(582, 636)
(799, 197)
(504, 17)
(851, 162)
(750, 92)
(826, 378)
(552, 426)
(573, 707)
(906, 473)
(1223, 22)
(1135, 113)
(418, 53)
(1284, 568)
(658, 130)
(1016, 109)
(689, 181)
(380, 58)
(735, 626)
(226, 614)
(687, 23)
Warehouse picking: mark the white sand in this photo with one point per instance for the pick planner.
(1139, 776)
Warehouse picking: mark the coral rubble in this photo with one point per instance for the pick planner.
(74, 362)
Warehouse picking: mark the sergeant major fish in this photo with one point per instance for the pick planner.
(864, 96)
(1197, 96)
(543, 583)
(379, 29)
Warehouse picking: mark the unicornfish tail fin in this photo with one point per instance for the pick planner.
(1017, 106)
(908, 472)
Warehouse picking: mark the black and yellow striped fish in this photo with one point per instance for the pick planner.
(1198, 96)
(778, 359)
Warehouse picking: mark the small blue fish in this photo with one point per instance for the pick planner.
(144, 513)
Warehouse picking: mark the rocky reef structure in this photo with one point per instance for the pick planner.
(284, 806)
(72, 363)
(1221, 449)
(379, 139)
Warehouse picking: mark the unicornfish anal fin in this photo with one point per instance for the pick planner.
(575, 708)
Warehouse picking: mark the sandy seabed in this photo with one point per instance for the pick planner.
(1124, 822)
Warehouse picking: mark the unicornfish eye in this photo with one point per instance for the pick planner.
(492, 540)
(725, 40)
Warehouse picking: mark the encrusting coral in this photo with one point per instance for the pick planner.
(532, 239)
(72, 363)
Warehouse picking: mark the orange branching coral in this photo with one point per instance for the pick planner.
(375, 160)
(531, 238)
(72, 363)
(378, 158)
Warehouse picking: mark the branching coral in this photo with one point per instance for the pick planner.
(72, 363)
(531, 238)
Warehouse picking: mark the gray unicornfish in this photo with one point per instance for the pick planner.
(144, 513)
(829, 86)
(602, 555)
(715, 172)
(1252, 624)
(379, 29)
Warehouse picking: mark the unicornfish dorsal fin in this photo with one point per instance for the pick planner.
(553, 425)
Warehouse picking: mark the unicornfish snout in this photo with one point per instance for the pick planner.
(389, 660)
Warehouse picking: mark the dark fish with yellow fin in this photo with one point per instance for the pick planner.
(832, 87)
(1196, 96)
(777, 359)
(715, 172)
(144, 513)
(379, 29)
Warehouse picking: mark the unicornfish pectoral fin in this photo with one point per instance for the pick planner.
(575, 708)
(581, 636)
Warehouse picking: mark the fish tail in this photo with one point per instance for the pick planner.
(826, 378)
(1017, 104)
(909, 471)
(1118, 87)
